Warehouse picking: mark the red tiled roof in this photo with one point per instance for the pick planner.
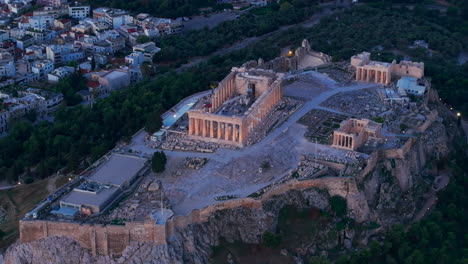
(93, 84)
(84, 71)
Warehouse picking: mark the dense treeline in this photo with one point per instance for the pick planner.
(255, 23)
(160, 8)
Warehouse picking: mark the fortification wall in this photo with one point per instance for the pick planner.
(100, 239)
(342, 186)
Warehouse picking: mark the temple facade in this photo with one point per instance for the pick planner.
(238, 105)
(353, 133)
(383, 72)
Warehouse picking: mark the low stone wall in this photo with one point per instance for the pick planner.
(100, 239)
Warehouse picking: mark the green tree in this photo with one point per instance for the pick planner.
(271, 240)
(142, 39)
(154, 122)
(158, 162)
(338, 205)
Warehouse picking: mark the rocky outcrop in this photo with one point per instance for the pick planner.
(391, 190)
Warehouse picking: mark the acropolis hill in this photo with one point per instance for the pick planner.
(294, 131)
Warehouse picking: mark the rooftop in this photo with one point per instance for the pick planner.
(118, 169)
(98, 199)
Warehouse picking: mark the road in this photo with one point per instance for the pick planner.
(7, 187)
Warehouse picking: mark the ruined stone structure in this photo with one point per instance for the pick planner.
(353, 133)
(301, 58)
(238, 105)
(382, 72)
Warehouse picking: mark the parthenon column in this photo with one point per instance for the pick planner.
(358, 73)
(211, 129)
(219, 130)
(226, 131)
(190, 127)
(352, 144)
(382, 80)
(195, 121)
(204, 130)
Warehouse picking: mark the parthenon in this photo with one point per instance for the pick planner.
(382, 72)
(353, 133)
(238, 105)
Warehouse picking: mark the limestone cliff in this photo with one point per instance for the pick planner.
(391, 189)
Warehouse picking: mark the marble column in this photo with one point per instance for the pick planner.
(219, 130)
(211, 129)
(234, 133)
(195, 121)
(190, 127)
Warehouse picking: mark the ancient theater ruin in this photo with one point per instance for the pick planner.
(382, 72)
(237, 106)
(353, 133)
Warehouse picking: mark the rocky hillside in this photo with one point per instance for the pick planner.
(393, 190)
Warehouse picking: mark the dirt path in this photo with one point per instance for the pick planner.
(51, 186)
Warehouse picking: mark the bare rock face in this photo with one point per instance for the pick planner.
(50, 250)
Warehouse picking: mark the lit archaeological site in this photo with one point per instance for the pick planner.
(295, 122)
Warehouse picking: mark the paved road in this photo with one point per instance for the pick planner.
(7, 187)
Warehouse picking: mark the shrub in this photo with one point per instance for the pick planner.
(158, 162)
(338, 205)
(271, 240)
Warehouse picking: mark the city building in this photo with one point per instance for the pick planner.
(24, 41)
(354, 133)
(115, 17)
(55, 12)
(63, 23)
(36, 22)
(135, 59)
(148, 49)
(64, 53)
(59, 73)
(4, 35)
(42, 68)
(7, 65)
(111, 80)
(79, 11)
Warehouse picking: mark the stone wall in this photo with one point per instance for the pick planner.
(100, 239)
(342, 186)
